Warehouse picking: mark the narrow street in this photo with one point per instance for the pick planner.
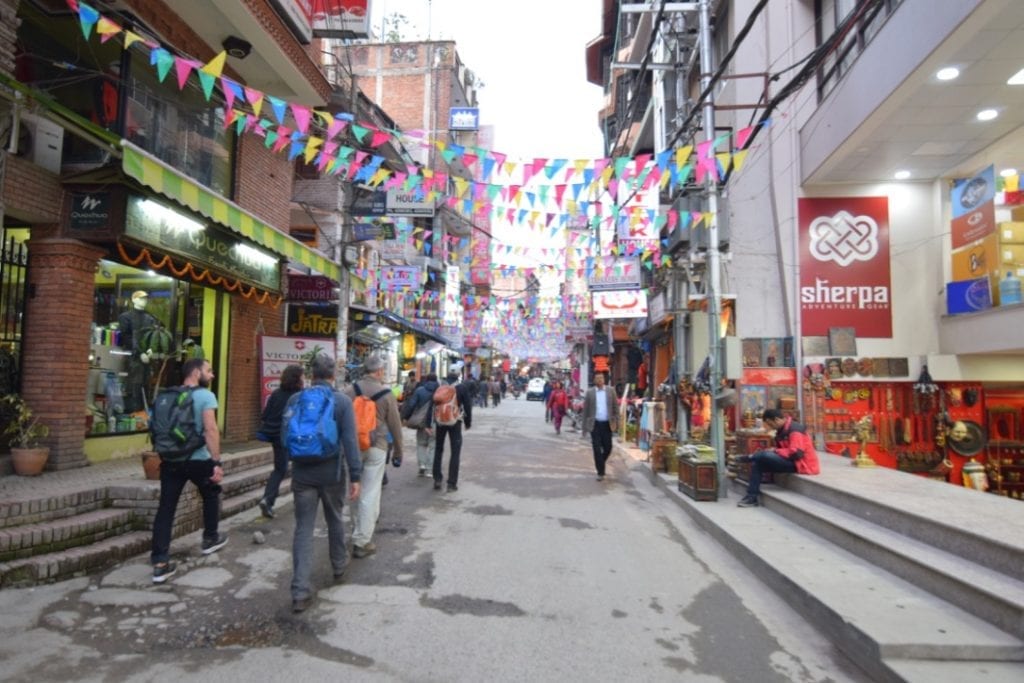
(533, 570)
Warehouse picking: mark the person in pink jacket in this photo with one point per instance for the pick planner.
(793, 452)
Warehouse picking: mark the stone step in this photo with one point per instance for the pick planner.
(27, 540)
(873, 616)
(985, 593)
(44, 508)
(73, 561)
(250, 499)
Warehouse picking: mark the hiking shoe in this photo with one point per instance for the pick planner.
(162, 572)
(266, 509)
(302, 604)
(212, 545)
(452, 487)
(748, 502)
(364, 550)
(600, 477)
(437, 484)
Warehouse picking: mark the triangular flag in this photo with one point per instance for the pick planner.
(206, 81)
(215, 66)
(130, 38)
(107, 29)
(87, 18)
(183, 67)
(255, 98)
(302, 116)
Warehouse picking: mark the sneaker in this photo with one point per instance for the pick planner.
(748, 502)
(600, 477)
(266, 509)
(423, 472)
(162, 572)
(301, 605)
(364, 550)
(212, 545)
(452, 487)
(437, 485)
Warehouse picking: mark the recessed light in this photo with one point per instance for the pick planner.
(901, 175)
(947, 74)
(1008, 172)
(1017, 78)
(987, 114)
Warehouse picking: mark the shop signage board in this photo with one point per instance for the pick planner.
(408, 203)
(277, 353)
(203, 244)
(968, 296)
(325, 18)
(373, 230)
(624, 273)
(399, 277)
(311, 288)
(480, 262)
(973, 204)
(90, 211)
(313, 320)
(463, 118)
(369, 203)
(845, 278)
(623, 303)
(980, 258)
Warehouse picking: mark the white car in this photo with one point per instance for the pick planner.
(535, 389)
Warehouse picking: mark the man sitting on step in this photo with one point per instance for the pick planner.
(793, 452)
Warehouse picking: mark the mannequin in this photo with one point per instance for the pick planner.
(131, 325)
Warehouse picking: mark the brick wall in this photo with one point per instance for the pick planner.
(263, 182)
(31, 193)
(243, 400)
(58, 315)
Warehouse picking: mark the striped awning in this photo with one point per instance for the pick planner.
(156, 174)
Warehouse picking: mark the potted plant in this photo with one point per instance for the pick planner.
(24, 431)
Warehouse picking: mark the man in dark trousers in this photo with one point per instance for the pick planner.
(454, 433)
(793, 452)
(600, 419)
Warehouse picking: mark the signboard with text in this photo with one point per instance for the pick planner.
(973, 204)
(845, 279)
(311, 288)
(408, 203)
(624, 273)
(622, 303)
(277, 353)
(313, 320)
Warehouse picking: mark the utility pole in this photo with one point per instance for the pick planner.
(713, 266)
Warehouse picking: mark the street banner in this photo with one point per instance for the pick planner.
(973, 204)
(623, 303)
(845, 279)
(277, 353)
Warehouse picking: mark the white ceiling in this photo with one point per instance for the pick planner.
(929, 127)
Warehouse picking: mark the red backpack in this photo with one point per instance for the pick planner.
(446, 405)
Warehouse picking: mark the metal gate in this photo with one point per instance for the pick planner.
(13, 287)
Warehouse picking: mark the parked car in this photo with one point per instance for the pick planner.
(535, 389)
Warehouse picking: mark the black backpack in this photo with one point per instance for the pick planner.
(173, 426)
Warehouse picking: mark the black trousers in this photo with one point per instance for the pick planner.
(173, 477)
(454, 433)
(601, 440)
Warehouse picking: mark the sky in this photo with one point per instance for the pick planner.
(530, 56)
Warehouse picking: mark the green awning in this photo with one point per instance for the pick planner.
(154, 173)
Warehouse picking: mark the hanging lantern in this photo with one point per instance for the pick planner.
(409, 345)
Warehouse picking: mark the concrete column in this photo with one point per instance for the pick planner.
(55, 360)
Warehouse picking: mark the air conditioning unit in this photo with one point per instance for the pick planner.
(700, 235)
(685, 204)
(41, 141)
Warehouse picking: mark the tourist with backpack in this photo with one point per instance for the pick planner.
(185, 434)
(452, 407)
(318, 431)
(270, 430)
(418, 414)
(377, 416)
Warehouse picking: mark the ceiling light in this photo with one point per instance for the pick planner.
(901, 175)
(947, 74)
(1017, 78)
(1008, 172)
(987, 114)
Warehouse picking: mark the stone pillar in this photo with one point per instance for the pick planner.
(55, 360)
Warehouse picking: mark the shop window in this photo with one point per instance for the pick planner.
(141, 324)
(13, 283)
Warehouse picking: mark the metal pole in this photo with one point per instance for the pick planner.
(341, 235)
(713, 257)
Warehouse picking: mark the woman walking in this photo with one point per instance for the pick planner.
(270, 430)
(558, 403)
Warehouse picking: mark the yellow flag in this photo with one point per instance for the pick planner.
(311, 147)
(215, 66)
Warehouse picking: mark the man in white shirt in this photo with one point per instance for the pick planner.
(600, 419)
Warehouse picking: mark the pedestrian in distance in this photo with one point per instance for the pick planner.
(793, 452)
(409, 387)
(423, 400)
(201, 466)
(548, 387)
(449, 417)
(321, 479)
(600, 419)
(558, 404)
(270, 430)
(367, 510)
(495, 388)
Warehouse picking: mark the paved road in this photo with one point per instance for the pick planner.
(533, 570)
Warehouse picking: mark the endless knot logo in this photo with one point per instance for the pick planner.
(844, 238)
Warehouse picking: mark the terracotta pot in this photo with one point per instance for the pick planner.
(29, 462)
(151, 465)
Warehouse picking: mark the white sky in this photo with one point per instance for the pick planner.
(530, 54)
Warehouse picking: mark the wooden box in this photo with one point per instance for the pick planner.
(748, 443)
(662, 449)
(698, 478)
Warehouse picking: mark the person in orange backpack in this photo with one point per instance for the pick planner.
(448, 420)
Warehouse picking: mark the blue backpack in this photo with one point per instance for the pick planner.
(309, 432)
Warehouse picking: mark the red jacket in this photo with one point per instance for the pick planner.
(792, 437)
(558, 398)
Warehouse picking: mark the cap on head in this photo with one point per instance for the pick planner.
(140, 294)
(373, 363)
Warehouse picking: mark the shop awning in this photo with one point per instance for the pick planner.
(156, 174)
(387, 317)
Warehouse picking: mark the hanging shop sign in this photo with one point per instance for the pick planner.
(463, 118)
(89, 211)
(624, 273)
(399, 277)
(625, 303)
(207, 244)
(657, 311)
(277, 353)
(408, 203)
(373, 230)
(845, 279)
(480, 256)
(311, 288)
(973, 206)
(93, 213)
(369, 203)
(340, 18)
(313, 320)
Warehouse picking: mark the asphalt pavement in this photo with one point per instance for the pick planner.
(532, 570)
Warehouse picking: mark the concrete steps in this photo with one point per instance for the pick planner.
(904, 592)
(57, 536)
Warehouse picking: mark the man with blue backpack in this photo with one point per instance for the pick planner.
(317, 425)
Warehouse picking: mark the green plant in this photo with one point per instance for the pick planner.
(24, 428)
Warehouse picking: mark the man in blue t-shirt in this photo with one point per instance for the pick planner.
(202, 468)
